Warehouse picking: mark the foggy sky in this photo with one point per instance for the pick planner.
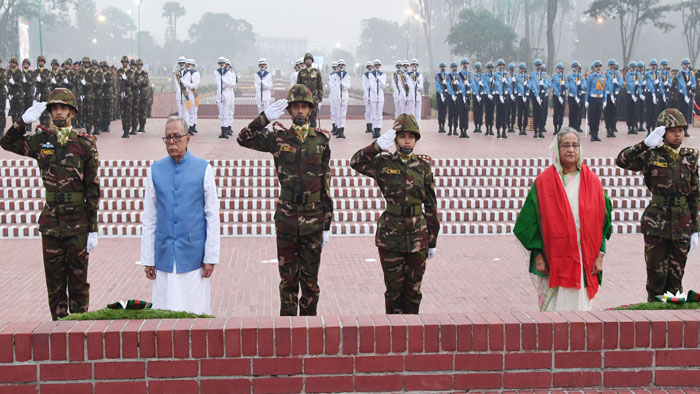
(327, 23)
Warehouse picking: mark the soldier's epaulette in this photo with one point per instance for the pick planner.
(324, 133)
(691, 151)
(42, 129)
(92, 138)
(425, 158)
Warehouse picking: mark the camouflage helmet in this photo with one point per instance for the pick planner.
(308, 55)
(406, 122)
(54, 61)
(41, 58)
(104, 64)
(13, 60)
(94, 62)
(26, 60)
(132, 62)
(671, 117)
(62, 96)
(124, 59)
(139, 62)
(298, 93)
(68, 61)
(86, 59)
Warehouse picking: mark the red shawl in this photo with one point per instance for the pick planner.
(559, 229)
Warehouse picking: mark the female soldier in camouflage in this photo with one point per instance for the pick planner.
(670, 222)
(408, 229)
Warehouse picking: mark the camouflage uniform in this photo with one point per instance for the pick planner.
(124, 92)
(409, 225)
(57, 77)
(304, 209)
(97, 81)
(42, 88)
(150, 101)
(143, 84)
(135, 97)
(3, 98)
(14, 91)
(672, 216)
(27, 82)
(107, 96)
(312, 79)
(70, 176)
(87, 94)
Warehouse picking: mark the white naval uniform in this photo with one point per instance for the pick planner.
(189, 291)
(179, 96)
(377, 83)
(365, 89)
(415, 94)
(263, 90)
(339, 96)
(191, 82)
(225, 81)
(399, 92)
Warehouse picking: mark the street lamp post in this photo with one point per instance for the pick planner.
(409, 14)
(139, 23)
(41, 41)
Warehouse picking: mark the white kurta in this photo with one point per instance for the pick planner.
(564, 298)
(189, 291)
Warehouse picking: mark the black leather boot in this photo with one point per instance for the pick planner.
(224, 134)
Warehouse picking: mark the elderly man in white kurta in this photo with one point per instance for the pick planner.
(180, 226)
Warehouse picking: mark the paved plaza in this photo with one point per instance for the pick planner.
(474, 273)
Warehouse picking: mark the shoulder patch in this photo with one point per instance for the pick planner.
(324, 133)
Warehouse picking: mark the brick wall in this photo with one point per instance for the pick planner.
(353, 353)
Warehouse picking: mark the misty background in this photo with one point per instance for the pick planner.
(159, 31)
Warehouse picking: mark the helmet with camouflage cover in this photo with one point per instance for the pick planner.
(54, 61)
(13, 60)
(124, 59)
(139, 62)
(132, 62)
(299, 93)
(671, 117)
(104, 64)
(41, 58)
(62, 96)
(406, 122)
(308, 55)
(94, 62)
(86, 59)
(68, 61)
(26, 60)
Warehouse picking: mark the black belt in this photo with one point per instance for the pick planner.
(61, 198)
(401, 210)
(674, 201)
(304, 198)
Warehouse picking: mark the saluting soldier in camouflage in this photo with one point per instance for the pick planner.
(135, 97)
(14, 90)
(407, 230)
(670, 222)
(312, 79)
(304, 209)
(125, 78)
(143, 84)
(107, 96)
(3, 98)
(42, 80)
(68, 223)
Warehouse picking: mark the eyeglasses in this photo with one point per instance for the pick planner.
(569, 146)
(174, 138)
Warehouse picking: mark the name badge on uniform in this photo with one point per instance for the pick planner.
(47, 148)
(286, 148)
(661, 164)
(392, 171)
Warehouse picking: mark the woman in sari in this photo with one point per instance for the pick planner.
(564, 223)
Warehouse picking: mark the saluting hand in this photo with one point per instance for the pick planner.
(276, 110)
(656, 136)
(386, 140)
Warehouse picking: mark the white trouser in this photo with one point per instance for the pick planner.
(340, 110)
(401, 108)
(262, 105)
(192, 120)
(334, 113)
(181, 106)
(414, 108)
(377, 109)
(368, 111)
(222, 113)
(397, 106)
(230, 106)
